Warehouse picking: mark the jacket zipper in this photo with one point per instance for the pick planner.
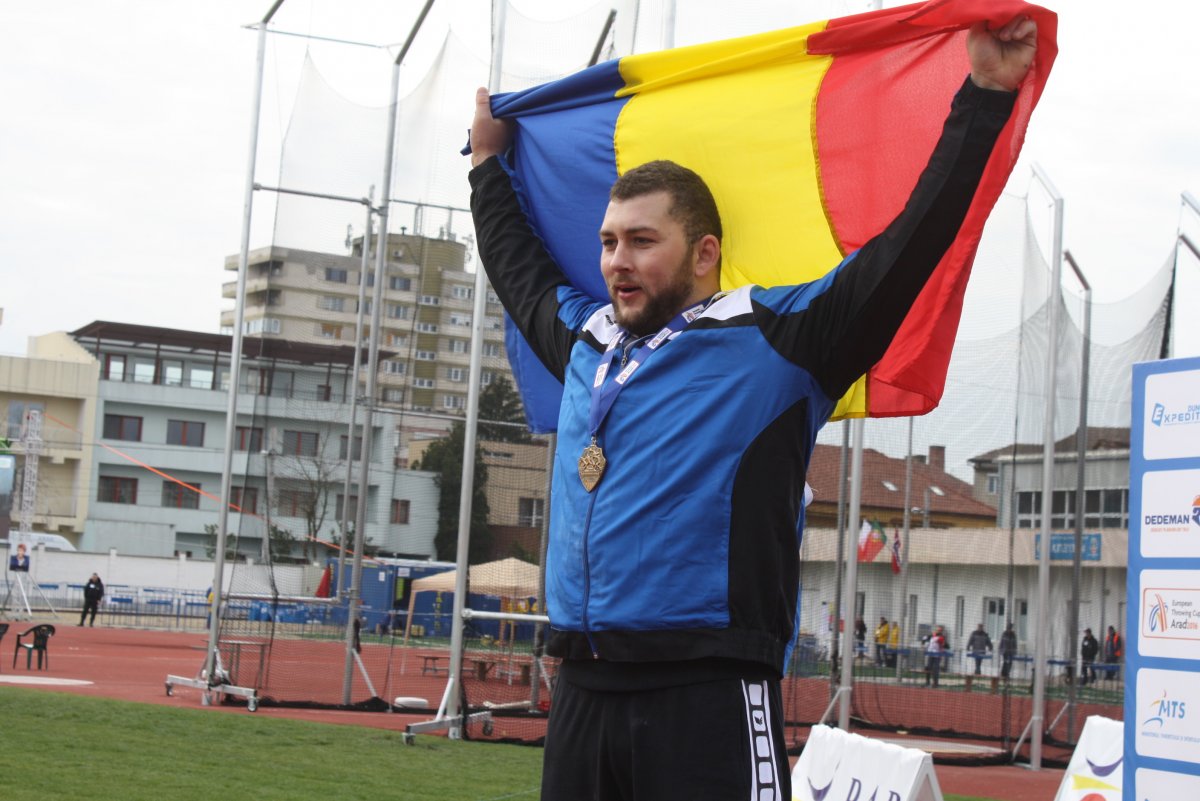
(587, 576)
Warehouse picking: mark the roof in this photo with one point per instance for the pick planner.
(198, 341)
(824, 469)
(1099, 438)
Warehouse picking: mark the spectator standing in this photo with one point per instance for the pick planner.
(1008, 649)
(93, 593)
(1114, 649)
(934, 647)
(860, 638)
(979, 644)
(1087, 651)
(882, 631)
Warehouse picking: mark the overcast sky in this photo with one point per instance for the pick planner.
(124, 132)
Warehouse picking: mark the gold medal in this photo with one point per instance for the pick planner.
(591, 465)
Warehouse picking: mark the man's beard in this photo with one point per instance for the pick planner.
(660, 308)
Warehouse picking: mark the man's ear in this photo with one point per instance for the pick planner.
(707, 257)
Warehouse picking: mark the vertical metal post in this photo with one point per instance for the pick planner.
(235, 356)
(840, 564)
(454, 681)
(353, 424)
(847, 618)
(373, 357)
(903, 622)
(1081, 448)
(1043, 595)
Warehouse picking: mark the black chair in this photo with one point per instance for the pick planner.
(3, 631)
(40, 638)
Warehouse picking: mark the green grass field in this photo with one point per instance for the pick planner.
(63, 745)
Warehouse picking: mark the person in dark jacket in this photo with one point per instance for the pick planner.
(93, 591)
(1087, 652)
(1008, 649)
(673, 567)
(979, 644)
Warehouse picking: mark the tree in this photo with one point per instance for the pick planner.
(501, 415)
(444, 457)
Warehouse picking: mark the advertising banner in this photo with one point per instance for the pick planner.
(1162, 654)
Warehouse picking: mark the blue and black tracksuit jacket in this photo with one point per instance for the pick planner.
(688, 548)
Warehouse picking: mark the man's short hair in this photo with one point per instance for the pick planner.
(692, 203)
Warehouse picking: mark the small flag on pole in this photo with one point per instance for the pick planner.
(896, 552)
(871, 541)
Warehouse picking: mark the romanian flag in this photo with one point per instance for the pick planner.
(811, 139)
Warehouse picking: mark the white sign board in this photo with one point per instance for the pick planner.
(839, 766)
(1094, 772)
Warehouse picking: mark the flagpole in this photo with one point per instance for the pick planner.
(903, 621)
(856, 428)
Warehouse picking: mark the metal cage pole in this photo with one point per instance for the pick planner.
(857, 427)
(1081, 448)
(1043, 587)
(454, 710)
(235, 364)
(373, 355)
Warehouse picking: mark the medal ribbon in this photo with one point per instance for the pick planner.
(604, 393)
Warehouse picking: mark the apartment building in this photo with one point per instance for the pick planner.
(428, 305)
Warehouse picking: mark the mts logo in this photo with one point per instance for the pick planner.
(1175, 710)
(878, 794)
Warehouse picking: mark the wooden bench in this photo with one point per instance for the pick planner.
(433, 664)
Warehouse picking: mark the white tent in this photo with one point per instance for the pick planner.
(506, 578)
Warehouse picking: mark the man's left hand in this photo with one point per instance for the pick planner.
(1001, 58)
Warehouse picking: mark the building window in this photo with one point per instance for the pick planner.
(486, 377)
(460, 319)
(429, 300)
(249, 439)
(395, 340)
(400, 511)
(462, 292)
(17, 411)
(455, 374)
(400, 283)
(331, 303)
(324, 392)
(117, 490)
(295, 503)
(458, 346)
(336, 275)
(353, 510)
(200, 377)
(397, 312)
(114, 366)
(143, 372)
(357, 447)
(300, 443)
(492, 297)
(530, 512)
(185, 432)
(493, 323)
(491, 349)
(393, 395)
(329, 331)
(1106, 508)
(244, 498)
(178, 496)
(426, 356)
(427, 328)
(395, 368)
(993, 484)
(263, 325)
(170, 373)
(454, 402)
(423, 383)
(119, 426)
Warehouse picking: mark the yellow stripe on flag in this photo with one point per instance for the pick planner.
(751, 115)
(1081, 782)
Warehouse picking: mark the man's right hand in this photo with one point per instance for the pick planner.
(489, 136)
